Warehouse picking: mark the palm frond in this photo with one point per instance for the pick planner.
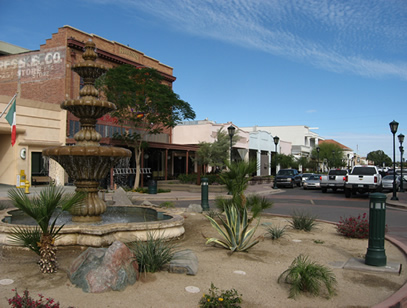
(28, 237)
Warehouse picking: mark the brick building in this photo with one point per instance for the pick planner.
(43, 79)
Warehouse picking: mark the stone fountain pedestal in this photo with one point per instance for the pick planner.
(88, 162)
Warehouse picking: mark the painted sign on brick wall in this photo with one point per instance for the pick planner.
(30, 66)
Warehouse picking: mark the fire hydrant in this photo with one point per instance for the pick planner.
(27, 184)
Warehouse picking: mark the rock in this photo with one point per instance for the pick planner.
(183, 262)
(194, 208)
(148, 203)
(99, 270)
(120, 198)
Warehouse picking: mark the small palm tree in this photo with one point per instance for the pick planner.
(237, 179)
(41, 208)
(307, 276)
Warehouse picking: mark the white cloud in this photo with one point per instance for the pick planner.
(362, 37)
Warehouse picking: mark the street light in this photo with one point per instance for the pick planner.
(276, 140)
(231, 131)
(401, 140)
(333, 158)
(318, 149)
(393, 128)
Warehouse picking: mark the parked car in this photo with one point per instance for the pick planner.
(312, 182)
(288, 178)
(305, 176)
(387, 182)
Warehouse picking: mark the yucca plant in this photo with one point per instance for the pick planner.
(253, 203)
(41, 208)
(152, 254)
(236, 179)
(236, 234)
(275, 232)
(303, 221)
(306, 276)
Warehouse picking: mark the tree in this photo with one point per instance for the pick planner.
(216, 153)
(285, 161)
(379, 158)
(145, 105)
(332, 154)
(42, 209)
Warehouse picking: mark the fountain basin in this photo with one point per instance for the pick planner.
(166, 226)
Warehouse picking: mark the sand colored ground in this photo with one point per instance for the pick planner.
(259, 288)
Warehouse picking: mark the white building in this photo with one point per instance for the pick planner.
(302, 139)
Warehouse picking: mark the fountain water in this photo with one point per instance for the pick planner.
(88, 163)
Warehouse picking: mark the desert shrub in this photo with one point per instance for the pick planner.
(302, 221)
(216, 299)
(26, 301)
(188, 178)
(354, 227)
(167, 204)
(152, 254)
(306, 276)
(275, 232)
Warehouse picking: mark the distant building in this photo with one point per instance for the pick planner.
(302, 139)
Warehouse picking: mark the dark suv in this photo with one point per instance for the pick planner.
(288, 178)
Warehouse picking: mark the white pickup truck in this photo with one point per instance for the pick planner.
(363, 179)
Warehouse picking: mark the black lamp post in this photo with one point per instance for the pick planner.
(401, 140)
(347, 162)
(393, 128)
(318, 149)
(276, 140)
(231, 131)
(333, 158)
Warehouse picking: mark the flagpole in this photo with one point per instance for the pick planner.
(8, 105)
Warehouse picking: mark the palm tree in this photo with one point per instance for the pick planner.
(41, 208)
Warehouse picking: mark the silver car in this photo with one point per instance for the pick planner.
(312, 182)
(387, 182)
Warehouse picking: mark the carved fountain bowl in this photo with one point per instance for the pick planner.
(90, 163)
(88, 107)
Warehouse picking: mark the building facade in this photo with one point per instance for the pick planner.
(43, 79)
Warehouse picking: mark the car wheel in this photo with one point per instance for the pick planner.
(324, 190)
(348, 193)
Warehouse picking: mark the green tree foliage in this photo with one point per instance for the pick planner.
(379, 157)
(216, 153)
(144, 103)
(285, 161)
(332, 154)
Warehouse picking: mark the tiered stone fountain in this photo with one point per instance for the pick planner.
(88, 162)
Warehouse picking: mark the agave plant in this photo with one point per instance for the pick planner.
(41, 208)
(236, 234)
(307, 276)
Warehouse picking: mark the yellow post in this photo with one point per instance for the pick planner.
(27, 184)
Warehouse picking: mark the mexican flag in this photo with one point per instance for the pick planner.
(11, 119)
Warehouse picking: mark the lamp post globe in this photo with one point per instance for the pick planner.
(393, 128)
(231, 132)
(401, 140)
(276, 140)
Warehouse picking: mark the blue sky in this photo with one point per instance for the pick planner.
(339, 66)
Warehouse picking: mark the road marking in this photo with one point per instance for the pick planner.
(312, 202)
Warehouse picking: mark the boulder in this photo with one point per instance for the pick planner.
(99, 270)
(194, 208)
